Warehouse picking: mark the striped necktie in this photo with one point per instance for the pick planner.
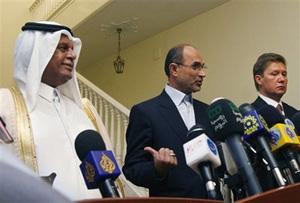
(280, 109)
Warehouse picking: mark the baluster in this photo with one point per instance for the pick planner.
(112, 125)
(105, 115)
(95, 100)
(118, 148)
(88, 95)
(125, 124)
(83, 90)
(86, 91)
(101, 107)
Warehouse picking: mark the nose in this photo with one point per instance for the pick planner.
(201, 72)
(282, 78)
(71, 54)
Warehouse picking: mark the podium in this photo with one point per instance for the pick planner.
(150, 200)
(288, 194)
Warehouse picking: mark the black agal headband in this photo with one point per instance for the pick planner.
(45, 27)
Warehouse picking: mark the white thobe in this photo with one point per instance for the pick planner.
(56, 122)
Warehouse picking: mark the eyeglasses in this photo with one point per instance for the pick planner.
(195, 65)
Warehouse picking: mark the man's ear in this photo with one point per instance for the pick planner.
(258, 79)
(173, 67)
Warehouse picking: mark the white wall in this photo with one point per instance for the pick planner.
(13, 15)
(230, 37)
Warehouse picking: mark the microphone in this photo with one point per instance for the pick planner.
(99, 167)
(255, 129)
(227, 123)
(201, 155)
(284, 138)
(230, 165)
(232, 183)
(296, 121)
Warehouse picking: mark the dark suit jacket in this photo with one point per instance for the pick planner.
(289, 111)
(265, 177)
(157, 123)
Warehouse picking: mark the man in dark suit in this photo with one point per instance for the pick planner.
(270, 77)
(158, 127)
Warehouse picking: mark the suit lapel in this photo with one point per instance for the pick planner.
(261, 102)
(199, 113)
(171, 115)
(258, 103)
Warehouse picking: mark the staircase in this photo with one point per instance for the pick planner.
(115, 118)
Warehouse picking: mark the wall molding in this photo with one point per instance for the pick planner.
(46, 9)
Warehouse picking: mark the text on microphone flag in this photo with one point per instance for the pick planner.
(99, 166)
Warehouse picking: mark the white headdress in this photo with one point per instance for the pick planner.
(34, 49)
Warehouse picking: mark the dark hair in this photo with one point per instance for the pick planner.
(175, 55)
(263, 62)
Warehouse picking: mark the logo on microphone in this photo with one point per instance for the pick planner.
(219, 123)
(250, 124)
(107, 164)
(90, 172)
(213, 112)
(275, 136)
(212, 146)
(289, 132)
(263, 121)
(236, 112)
(289, 123)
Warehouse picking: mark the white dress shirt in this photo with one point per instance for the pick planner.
(272, 102)
(184, 104)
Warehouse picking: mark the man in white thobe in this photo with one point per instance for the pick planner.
(44, 114)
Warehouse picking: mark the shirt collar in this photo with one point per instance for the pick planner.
(47, 92)
(176, 95)
(270, 101)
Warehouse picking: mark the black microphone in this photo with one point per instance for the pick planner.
(202, 155)
(255, 132)
(227, 123)
(284, 138)
(296, 122)
(99, 167)
(231, 178)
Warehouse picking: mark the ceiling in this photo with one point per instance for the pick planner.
(140, 19)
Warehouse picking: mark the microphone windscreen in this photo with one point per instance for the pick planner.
(246, 108)
(296, 121)
(87, 141)
(271, 115)
(196, 130)
(225, 119)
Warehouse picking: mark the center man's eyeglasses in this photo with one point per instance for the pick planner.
(195, 65)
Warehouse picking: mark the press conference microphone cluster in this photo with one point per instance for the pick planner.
(257, 134)
(202, 156)
(296, 122)
(283, 137)
(227, 123)
(99, 167)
